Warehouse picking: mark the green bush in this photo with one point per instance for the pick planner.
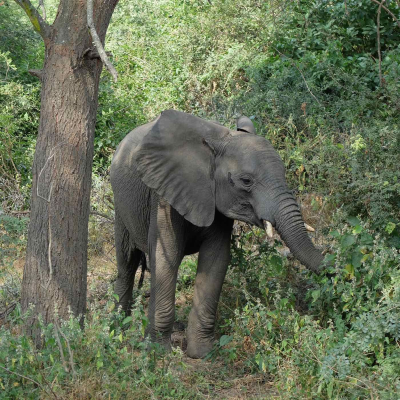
(108, 358)
(342, 341)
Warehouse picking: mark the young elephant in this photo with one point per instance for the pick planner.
(179, 182)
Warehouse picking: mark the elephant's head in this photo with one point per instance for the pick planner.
(199, 166)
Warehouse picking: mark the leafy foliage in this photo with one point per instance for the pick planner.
(307, 72)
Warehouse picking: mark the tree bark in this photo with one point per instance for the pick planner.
(56, 260)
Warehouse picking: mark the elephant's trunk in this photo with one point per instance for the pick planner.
(291, 227)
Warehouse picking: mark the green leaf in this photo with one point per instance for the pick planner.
(350, 269)
(353, 221)
(315, 295)
(357, 229)
(356, 259)
(390, 227)
(366, 238)
(224, 340)
(348, 240)
(126, 320)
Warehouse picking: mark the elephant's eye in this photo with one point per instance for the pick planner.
(246, 181)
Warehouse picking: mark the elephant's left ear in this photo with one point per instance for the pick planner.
(245, 124)
(175, 160)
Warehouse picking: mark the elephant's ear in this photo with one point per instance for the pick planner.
(244, 124)
(175, 160)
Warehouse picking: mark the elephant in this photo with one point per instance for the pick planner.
(179, 183)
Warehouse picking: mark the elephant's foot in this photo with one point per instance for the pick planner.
(198, 349)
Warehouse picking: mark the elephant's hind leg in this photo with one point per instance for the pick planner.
(128, 259)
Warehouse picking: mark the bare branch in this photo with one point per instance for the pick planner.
(388, 11)
(378, 39)
(8, 310)
(97, 42)
(38, 73)
(41, 5)
(92, 212)
(301, 73)
(60, 346)
(25, 377)
(71, 354)
(39, 24)
(41, 171)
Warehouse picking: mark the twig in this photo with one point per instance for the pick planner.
(92, 212)
(97, 42)
(71, 354)
(44, 378)
(41, 5)
(388, 11)
(41, 171)
(25, 377)
(301, 73)
(8, 310)
(39, 24)
(60, 347)
(334, 370)
(378, 38)
(38, 73)
(45, 287)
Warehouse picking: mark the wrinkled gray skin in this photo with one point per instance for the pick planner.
(179, 182)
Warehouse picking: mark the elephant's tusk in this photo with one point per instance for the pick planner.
(268, 229)
(309, 228)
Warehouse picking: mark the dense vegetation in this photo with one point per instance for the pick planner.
(309, 75)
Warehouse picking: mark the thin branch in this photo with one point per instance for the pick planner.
(41, 171)
(8, 310)
(92, 212)
(97, 43)
(388, 11)
(38, 73)
(25, 377)
(41, 5)
(39, 24)
(43, 377)
(49, 259)
(60, 347)
(378, 38)
(301, 73)
(71, 354)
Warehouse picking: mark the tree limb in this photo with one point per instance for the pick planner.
(25, 377)
(301, 73)
(105, 216)
(38, 73)
(41, 5)
(388, 11)
(97, 42)
(39, 24)
(378, 39)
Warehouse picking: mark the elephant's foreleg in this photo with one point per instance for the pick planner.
(213, 262)
(166, 248)
(127, 261)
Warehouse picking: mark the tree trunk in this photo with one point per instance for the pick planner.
(56, 260)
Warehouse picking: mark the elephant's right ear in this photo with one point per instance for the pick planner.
(245, 124)
(175, 159)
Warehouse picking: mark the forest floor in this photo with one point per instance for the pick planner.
(225, 382)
